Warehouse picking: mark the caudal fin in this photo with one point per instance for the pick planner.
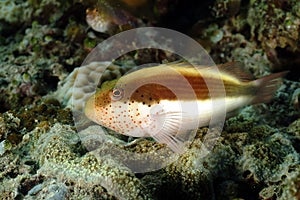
(267, 86)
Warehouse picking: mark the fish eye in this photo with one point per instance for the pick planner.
(117, 94)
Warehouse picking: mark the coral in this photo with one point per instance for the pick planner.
(58, 158)
(290, 187)
(266, 162)
(264, 34)
(14, 12)
(47, 112)
(234, 153)
(279, 27)
(296, 99)
(224, 46)
(8, 124)
(271, 161)
(23, 12)
(282, 105)
(4, 146)
(251, 56)
(276, 25)
(225, 8)
(74, 94)
(32, 65)
(295, 128)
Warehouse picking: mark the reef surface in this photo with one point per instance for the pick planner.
(42, 156)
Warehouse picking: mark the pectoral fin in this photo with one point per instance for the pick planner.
(168, 126)
(166, 137)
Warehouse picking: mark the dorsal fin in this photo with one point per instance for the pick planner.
(180, 63)
(177, 63)
(237, 70)
(234, 69)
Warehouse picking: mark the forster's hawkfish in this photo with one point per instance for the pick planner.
(163, 100)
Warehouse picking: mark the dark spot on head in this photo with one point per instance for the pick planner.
(150, 98)
(142, 96)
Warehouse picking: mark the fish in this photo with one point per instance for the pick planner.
(107, 17)
(118, 15)
(166, 100)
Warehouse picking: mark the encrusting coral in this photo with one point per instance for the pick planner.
(56, 152)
